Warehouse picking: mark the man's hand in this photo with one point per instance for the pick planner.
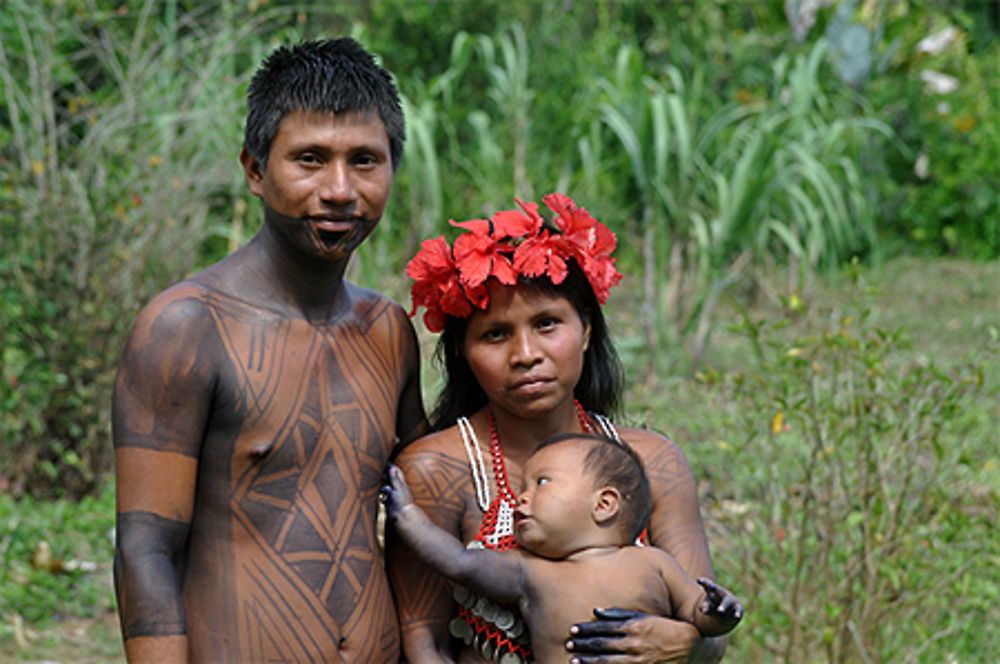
(395, 493)
(720, 603)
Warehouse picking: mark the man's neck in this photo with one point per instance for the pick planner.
(311, 287)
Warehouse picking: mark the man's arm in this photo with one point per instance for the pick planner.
(161, 403)
(411, 421)
(498, 575)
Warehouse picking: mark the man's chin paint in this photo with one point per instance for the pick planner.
(326, 244)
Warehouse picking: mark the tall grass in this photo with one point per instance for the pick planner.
(853, 509)
(724, 189)
(121, 163)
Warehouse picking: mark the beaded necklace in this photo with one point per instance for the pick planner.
(497, 531)
(497, 632)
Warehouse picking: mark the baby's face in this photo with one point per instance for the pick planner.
(556, 501)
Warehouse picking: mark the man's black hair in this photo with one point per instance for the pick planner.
(614, 463)
(600, 385)
(335, 75)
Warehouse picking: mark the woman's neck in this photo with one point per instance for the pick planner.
(520, 436)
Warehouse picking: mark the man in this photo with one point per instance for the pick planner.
(258, 401)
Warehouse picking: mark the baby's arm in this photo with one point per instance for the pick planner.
(714, 610)
(498, 575)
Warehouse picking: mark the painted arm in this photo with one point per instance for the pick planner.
(160, 406)
(498, 575)
(423, 597)
(411, 421)
(676, 528)
(717, 611)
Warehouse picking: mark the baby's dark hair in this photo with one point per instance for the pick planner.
(335, 75)
(616, 464)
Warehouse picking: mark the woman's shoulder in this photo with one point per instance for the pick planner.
(641, 439)
(440, 448)
(659, 454)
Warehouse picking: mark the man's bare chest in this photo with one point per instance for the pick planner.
(289, 392)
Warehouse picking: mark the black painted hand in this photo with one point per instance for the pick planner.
(595, 637)
(395, 494)
(720, 603)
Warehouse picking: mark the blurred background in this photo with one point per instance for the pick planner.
(807, 200)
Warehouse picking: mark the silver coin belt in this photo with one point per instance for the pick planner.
(506, 621)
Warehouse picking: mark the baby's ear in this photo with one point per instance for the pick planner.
(607, 504)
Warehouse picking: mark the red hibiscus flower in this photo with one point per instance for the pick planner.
(543, 254)
(435, 284)
(479, 255)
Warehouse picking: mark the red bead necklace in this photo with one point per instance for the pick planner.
(505, 538)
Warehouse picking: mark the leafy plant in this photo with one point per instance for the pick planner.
(855, 504)
(114, 179)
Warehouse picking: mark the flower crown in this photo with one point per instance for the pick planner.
(451, 281)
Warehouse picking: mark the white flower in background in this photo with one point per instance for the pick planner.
(937, 82)
(801, 15)
(922, 167)
(937, 42)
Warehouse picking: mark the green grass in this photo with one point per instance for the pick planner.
(934, 589)
(860, 524)
(53, 615)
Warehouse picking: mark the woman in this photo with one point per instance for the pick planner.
(527, 354)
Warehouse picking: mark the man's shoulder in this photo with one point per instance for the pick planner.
(369, 302)
(177, 305)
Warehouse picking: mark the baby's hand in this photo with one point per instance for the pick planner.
(720, 603)
(395, 494)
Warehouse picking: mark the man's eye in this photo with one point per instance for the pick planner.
(308, 158)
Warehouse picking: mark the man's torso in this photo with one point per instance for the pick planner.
(283, 560)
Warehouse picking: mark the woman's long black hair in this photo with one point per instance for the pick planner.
(601, 381)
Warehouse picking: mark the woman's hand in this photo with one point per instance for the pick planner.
(623, 636)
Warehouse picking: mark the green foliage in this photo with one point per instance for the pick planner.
(855, 495)
(78, 535)
(112, 182)
(933, 76)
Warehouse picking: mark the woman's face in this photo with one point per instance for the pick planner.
(526, 350)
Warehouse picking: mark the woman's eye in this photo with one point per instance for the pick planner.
(542, 480)
(493, 335)
(547, 323)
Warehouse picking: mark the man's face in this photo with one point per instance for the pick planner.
(327, 180)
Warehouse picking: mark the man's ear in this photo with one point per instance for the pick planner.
(607, 505)
(254, 172)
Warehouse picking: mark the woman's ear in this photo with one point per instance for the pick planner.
(607, 505)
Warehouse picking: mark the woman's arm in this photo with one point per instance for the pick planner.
(440, 485)
(497, 574)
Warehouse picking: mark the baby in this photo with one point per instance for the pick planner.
(584, 500)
